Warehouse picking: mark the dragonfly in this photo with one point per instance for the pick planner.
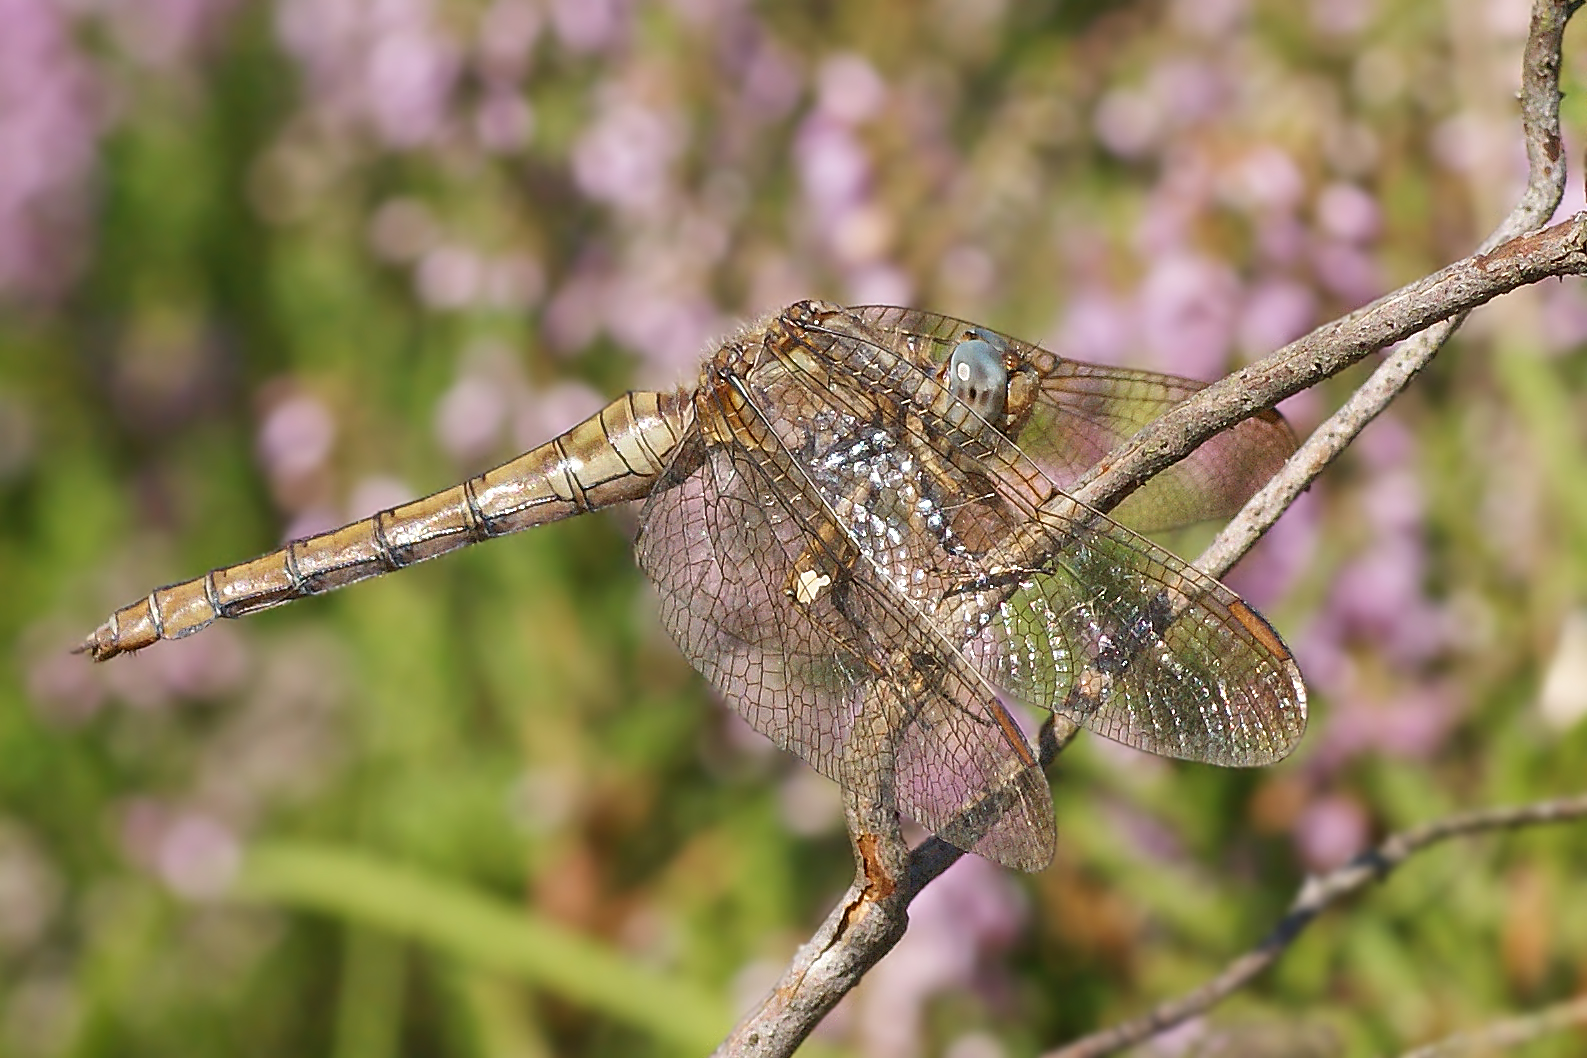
(858, 531)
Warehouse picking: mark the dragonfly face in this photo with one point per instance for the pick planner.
(857, 529)
(977, 377)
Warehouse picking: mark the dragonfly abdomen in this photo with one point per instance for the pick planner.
(613, 456)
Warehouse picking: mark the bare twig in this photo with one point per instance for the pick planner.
(872, 915)
(864, 926)
(1500, 265)
(1556, 251)
(1540, 97)
(1315, 896)
(1511, 1032)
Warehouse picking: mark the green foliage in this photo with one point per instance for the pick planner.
(484, 807)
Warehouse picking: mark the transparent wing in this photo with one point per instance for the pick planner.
(1134, 644)
(718, 544)
(1053, 603)
(1085, 411)
(723, 539)
(958, 778)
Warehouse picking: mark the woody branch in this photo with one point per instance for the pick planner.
(873, 914)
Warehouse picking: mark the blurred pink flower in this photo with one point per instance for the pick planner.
(30, 891)
(1331, 830)
(1410, 722)
(705, 12)
(449, 277)
(966, 273)
(1352, 148)
(1268, 571)
(52, 113)
(507, 33)
(283, 740)
(585, 26)
(958, 927)
(1349, 213)
(861, 235)
(1276, 312)
(1508, 18)
(60, 687)
(669, 329)
(1140, 833)
(1128, 122)
(771, 82)
(834, 170)
(409, 77)
(1378, 598)
(1467, 141)
(1281, 238)
(1392, 502)
(384, 64)
(1209, 19)
(573, 315)
(880, 284)
(311, 520)
(975, 1045)
(1097, 326)
(1564, 320)
(1264, 179)
(377, 492)
(188, 669)
(402, 229)
(296, 437)
(849, 89)
(811, 804)
(776, 279)
(1188, 1039)
(470, 418)
(1175, 205)
(1347, 271)
(516, 281)
(543, 414)
(167, 32)
(1191, 90)
(1342, 18)
(197, 855)
(1188, 305)
(503, 122)
(625, 157)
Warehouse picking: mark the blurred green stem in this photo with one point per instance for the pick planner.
(499, 1020)
(483, 933)
(369, 1008)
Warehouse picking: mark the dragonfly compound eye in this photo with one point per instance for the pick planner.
(977, 377)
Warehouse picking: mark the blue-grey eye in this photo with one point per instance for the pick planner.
(977, 377)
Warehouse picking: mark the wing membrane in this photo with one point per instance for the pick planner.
(1062, 607)
(844, 532)
(723, 540)
(1085, 411)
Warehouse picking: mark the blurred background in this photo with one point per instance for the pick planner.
(267, 267)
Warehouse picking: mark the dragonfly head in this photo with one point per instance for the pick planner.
(978, 374)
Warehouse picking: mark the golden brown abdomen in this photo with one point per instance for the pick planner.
(613, 456)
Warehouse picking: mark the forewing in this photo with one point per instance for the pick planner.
(959, 777)
(1057, 604)
(718, 545)
(1136, 645)
(725, 538)
(1085, 411)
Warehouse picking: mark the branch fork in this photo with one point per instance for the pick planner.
(873, 914)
